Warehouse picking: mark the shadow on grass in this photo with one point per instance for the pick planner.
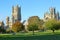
(41, 37)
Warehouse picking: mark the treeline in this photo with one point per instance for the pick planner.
(34, 23)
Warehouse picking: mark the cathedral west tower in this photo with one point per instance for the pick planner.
(16, 13)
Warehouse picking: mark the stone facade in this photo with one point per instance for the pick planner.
(16, 16)
(7, 21)
(52, 14)
(16, 13)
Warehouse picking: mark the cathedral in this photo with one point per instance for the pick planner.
(16, 16)
(52, 14)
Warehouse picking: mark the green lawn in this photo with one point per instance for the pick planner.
(48, 35)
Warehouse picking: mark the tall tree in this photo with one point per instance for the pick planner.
(34, 20)
(17, 26)
(52, 24)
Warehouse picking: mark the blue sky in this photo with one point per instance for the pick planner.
(28, 7)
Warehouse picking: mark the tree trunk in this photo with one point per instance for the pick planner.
(53, 31)
(33, 30)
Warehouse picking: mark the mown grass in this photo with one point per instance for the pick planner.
(47, 35)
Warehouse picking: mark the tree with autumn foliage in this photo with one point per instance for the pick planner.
(17, 26)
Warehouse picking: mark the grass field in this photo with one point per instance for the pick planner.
(48, 35)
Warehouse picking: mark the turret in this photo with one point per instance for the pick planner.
(7, 21)
(52, 12)
(16, 13)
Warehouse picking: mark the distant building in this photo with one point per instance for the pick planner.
(52, 14)
(2, 24)
(7, 21)
(25, 23)
(16, 16)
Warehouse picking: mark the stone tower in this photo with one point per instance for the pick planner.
(7, 21)
(16, 13)
(57, 15)
(52, 12)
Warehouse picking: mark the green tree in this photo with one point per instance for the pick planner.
(33, 23)
(34, 20)
(57, 25)
(52, 24)
(37, 21)
(41, 23)
(33, 27)
(17, 26)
